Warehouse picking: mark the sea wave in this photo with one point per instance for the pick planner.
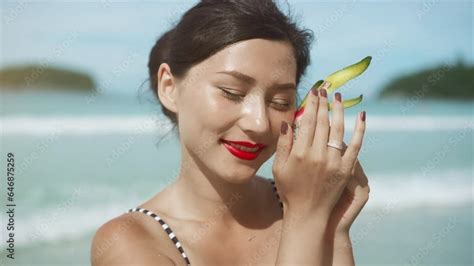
(388, 192)
(412, 190)
(99, 125)
(94, 125)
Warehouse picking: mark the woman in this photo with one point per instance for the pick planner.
(226, 75)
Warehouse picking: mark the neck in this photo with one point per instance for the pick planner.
(206, 197)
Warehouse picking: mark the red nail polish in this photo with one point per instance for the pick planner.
(362, 116)
(338, 96)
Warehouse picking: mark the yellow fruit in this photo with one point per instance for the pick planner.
(342, 76)
(338, 79)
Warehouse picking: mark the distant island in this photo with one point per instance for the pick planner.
(442, 82)
(45, 77)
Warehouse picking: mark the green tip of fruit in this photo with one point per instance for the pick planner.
(303, 102)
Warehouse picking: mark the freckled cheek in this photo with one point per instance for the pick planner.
(219, 103)
(275, 122)
(210, 108)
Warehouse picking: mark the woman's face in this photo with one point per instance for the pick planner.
(242, 93)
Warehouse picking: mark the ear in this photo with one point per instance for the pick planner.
(167, 91)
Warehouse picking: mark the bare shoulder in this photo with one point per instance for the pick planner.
(125, 240)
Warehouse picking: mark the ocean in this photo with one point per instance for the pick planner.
(81, 160)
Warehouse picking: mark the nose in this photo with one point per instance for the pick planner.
(254, 117)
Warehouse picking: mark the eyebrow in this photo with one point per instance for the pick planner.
(250, 80)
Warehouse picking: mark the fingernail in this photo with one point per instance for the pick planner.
(362, 116)
(323, 92)
(314, 90)
(338, 96)
(283, 127)
(326, 85)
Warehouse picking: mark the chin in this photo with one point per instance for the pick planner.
(240, 175)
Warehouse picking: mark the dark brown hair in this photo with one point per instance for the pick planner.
(211, 25)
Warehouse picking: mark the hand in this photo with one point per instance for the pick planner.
(353, 199)
(311, 176)
(338, 243)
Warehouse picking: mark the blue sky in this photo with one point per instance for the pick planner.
(111, 40)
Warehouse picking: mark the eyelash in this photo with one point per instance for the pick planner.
(232, 96)
(238, 98)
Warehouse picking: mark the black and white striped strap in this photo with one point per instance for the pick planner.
(167, 229)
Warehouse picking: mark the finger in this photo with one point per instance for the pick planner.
(356, 163)
(358, 182)
(344, 148)
(285, 141)
(356, 143)
(336, 131)
(322, 123)
(307, 123)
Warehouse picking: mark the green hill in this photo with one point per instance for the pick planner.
(37, 76)
(446, 81)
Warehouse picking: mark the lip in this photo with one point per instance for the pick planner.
(246, 143)
(244, 155)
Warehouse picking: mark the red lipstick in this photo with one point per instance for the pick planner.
(235, 148)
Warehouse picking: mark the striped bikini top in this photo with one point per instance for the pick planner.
(170, 233)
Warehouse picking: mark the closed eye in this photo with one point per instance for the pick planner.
(285, 105)
(232, 96)
(239, 98)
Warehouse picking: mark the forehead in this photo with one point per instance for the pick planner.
(264, 60)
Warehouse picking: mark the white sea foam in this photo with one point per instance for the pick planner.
(94, 125)
(99, 125)
(416, 123)
(412, 190)
(53, 225)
